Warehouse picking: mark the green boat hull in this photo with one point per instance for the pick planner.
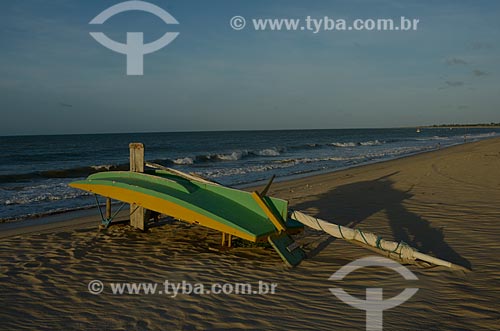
(218, 207)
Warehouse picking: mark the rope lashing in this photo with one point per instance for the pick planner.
(363, 236)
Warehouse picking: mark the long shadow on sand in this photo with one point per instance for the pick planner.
(351, 204)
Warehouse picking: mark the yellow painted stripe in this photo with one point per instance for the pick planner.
(164, 207)
(269, 213)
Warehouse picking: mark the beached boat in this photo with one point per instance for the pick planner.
(251, 216)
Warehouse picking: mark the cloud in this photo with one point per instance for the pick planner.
(454, 83)
(456, 61)
(450, 83)
(478, 45)
(479, 73)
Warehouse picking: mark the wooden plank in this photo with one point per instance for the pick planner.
(290, 253)
(137, 214)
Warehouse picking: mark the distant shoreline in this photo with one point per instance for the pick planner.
(472, 126)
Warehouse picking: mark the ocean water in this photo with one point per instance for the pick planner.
(35, 170)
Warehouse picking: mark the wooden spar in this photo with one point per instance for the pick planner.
(137, 213)
(278, 223)
(189, 176)
(268, 186)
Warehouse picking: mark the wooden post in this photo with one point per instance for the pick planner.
(108, 208)
(137, 214)
(136, 157)
(226, 240)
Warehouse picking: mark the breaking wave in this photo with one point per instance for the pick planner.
(184, 161)
(354, 144)
(231, 156)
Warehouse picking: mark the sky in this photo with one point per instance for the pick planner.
(56, 79)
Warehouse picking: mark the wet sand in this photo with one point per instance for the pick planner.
(445, 203)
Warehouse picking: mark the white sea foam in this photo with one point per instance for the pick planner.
(319, 159)
(223, 172)
(184, 161)
(483, 135)
(268, 152)
(278, 164)
(102, 167)
(41, 193)
(348, 144)
(354, 144)
(234, 156)
(370, 143)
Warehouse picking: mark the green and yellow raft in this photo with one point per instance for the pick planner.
(251, 216)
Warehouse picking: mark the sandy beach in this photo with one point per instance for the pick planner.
(444, 202)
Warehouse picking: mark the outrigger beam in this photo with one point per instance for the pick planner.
(391, 249)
